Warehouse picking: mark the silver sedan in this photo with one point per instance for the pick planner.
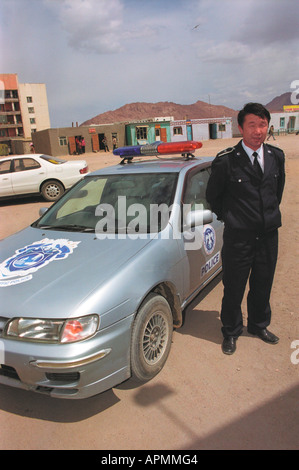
(91, 291)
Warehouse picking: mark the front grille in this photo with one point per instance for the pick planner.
(65, 377)
(9, 372)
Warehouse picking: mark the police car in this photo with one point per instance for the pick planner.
(91, 291)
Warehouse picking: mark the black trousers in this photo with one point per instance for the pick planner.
(246, 255)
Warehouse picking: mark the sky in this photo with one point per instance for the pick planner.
(98, 55)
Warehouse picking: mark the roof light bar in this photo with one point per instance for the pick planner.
(157, 148)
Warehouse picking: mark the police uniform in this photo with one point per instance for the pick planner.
(249, 206)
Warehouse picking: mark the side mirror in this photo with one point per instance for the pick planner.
(198, 218)
(42, 211)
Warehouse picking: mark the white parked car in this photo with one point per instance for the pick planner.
(39, 174)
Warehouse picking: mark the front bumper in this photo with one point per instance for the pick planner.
(75, 370)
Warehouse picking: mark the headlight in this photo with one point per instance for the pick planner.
(53, 331)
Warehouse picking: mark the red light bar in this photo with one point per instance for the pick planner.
(179, 147)
(158, 148)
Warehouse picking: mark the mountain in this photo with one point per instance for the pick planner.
(199, 110)
(279, 102)
(139, 111)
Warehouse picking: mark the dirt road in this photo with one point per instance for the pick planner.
(202, 399)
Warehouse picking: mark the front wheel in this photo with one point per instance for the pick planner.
(52, 190)
(151, 338)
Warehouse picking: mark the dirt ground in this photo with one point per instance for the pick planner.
(202, 399)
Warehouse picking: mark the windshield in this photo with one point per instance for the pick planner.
(123, 203)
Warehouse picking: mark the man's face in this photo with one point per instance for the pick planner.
(254, 131)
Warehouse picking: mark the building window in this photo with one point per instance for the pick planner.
(141, 133)
(29, 99)
(282, 122)
(222, 127)
(32, 120)
(62, 141)
(177, 131)
(31, 110)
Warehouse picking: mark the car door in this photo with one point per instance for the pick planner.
(5, 178)
(202, 244)
(27, 176)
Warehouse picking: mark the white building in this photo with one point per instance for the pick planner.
(285, 122)
(201, 129)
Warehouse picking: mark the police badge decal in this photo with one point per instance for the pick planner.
(29, 259)
(209, 237)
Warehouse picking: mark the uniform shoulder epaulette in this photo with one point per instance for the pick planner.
(224, 152)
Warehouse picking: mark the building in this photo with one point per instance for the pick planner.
(23, 111)
(148, 131)
(64, 140)
(201, 129)
(285, 122)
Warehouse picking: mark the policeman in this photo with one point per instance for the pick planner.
(244, 190)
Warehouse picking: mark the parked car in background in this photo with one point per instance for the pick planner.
(91, 291)
(39, 174)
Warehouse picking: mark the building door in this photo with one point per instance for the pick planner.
(72, 145)
(291, 125)
(189, 132)
(100, 138)
(163, 134)
(213, 130)
(95, 143)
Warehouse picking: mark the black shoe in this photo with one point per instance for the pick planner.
(229, 345)
(264, 334)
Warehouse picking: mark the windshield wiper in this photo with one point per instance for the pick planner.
(67, 227)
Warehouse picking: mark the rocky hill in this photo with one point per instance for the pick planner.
(279, 102)
(138, 111)
(198, 110)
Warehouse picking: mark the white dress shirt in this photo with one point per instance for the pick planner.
(260, 153)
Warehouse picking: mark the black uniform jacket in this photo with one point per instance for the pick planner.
(239, 197)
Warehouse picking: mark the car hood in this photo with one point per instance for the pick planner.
(39, 266)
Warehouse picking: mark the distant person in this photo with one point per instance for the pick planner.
(114, 142)
(78, 146)
(244, 190)
(271, 132)
(83, 145)
(104, 141)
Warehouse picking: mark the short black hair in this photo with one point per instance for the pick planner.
(253, 108)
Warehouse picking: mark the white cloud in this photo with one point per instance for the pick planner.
(91, 25)
(226, 51)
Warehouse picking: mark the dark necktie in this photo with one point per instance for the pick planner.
(256, 165)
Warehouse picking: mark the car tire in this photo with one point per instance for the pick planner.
(151, 338)
(52, 190)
